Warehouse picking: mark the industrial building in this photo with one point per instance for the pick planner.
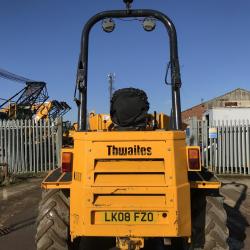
(233, 101)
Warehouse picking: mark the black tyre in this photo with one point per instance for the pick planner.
(209, 222)
(53, 222)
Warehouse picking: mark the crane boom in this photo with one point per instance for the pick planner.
(13, 77)
(23, 101)
(30, 101)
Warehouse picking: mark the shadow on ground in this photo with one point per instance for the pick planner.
(17, 226)
(237, 206)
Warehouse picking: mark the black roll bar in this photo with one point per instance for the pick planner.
(82, 72)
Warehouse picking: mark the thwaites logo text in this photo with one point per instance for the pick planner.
(133, 150)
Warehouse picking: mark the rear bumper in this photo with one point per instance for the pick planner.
(85, 216)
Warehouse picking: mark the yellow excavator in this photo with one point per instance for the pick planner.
(50, 109)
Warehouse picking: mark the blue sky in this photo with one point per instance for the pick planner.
(40, 39)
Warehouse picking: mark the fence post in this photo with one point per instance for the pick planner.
(59, 135)
(248, 146)
(219, 147)
(244, 146)
(45, 136)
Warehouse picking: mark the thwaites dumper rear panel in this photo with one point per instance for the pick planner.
(130, 184)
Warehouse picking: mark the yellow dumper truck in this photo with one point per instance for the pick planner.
(134, 180)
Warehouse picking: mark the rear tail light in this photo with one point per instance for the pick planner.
(67, 161)
(194, 161)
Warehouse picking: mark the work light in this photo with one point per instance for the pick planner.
(149, 24)
(108, 25)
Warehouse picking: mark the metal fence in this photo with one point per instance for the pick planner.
(29, 146)
(225, 146)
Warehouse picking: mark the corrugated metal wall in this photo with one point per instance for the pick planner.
(29, 146)
(240, 96)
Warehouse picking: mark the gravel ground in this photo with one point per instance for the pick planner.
(18, 211)
(237, 204)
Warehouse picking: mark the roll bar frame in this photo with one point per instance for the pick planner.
(82, 71)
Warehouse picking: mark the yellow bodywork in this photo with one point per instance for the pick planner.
(133, 172)
(99, 122)
(103, 122)
(119, 178)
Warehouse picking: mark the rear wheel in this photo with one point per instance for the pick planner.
(53, 222)
(209, 222)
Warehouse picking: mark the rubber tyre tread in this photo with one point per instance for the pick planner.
(53, 222)
(215, 232)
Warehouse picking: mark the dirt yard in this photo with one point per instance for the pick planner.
(18, 211)
(237, 204)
